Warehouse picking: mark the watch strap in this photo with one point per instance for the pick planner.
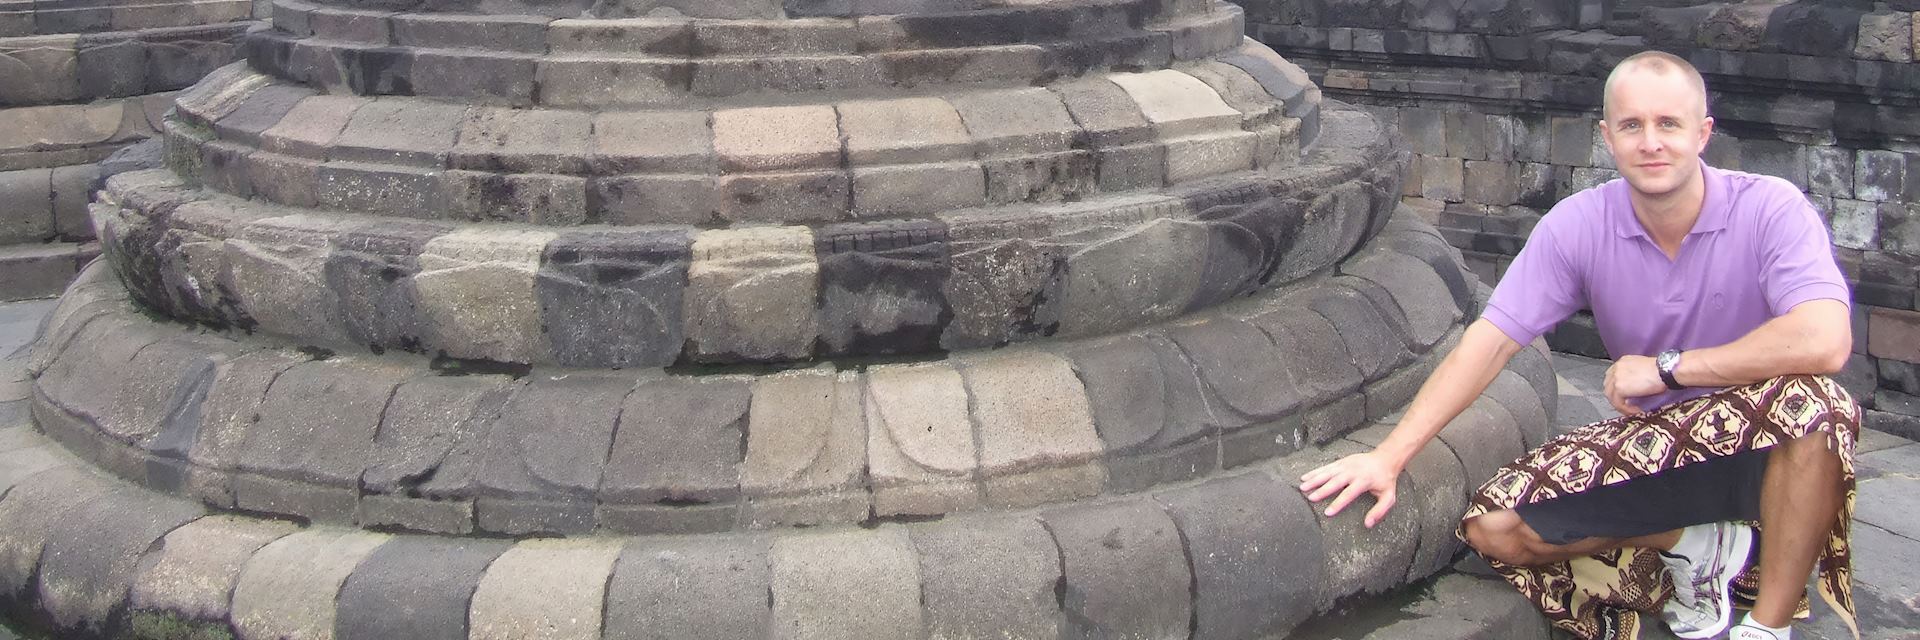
(1666, 365)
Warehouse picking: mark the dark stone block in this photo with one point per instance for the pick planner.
(330, 504)
(1260, 441)
(882, 287)
(178, 63)
(612, 298)
(1903, 377)
(1484, 439)
(668, 519)
(469, 74)
(110, 67)
(1245, 245)
(547, 444)
(1124, 571)
(371, 272)
(375, 71)
(414, 587)
(690, 588)
(1810, 29)
(259, 112)
(1257, 556)
(1239, 364)
(988, 578)
(318, 421)
(1438, 255)
(1420, 293)
(1128, 473)
(1126, 390)
(1577, 335)
(506, 516)
(90, 561)
(426, 421)
(681, 440)
(1321, 368)
(1371, 339)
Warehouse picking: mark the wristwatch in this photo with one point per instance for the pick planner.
(1667, 361)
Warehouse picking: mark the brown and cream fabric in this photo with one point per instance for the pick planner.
(1599, 597)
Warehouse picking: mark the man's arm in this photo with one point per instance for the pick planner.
(1814, 337)
(1484, 350)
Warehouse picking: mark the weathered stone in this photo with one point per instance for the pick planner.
(414, 587)
(477, 292)
(227, 417)
(87, 568)
(1881, 176)
(1032, 418)
(1255, 555)
(1137, 274)
(1484, 439)
(1239, 365)
(681, 440)
(613, 298)
(582, 81)
(715, 587)
(920, 440)
(1420, 293)
(777, 138)
(292, 440)
(1894, 333)
(525, 455)
(1441, 178)
(523, 141)
(288, 588)
(190, 575)
(806, 441)
(902, 131)
(1321, 368)
(787, 197)
(988, 579)
(1106, 112)
(652, 141)
(882, 287)
(1370, 335)
(860, 583)
(544, 590)
(882, 192)
(1024, 121)
(1830, 171)
(751, 294)
(1177, 104)
(1124, 571)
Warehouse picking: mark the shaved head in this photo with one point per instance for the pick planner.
(1657, 63)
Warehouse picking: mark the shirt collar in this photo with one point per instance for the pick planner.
(1714, 209)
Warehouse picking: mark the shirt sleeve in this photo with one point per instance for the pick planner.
(1541, 287)
(1796, 257)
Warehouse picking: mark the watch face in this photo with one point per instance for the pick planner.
(1666, 360)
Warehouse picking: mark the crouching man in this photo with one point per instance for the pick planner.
(1718, 293)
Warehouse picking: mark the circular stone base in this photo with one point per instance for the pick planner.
(1237, 554)
(401, 441)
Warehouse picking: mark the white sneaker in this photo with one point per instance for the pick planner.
(1701, 606)
(1750, 632)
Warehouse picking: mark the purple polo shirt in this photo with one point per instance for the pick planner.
(1757, 250)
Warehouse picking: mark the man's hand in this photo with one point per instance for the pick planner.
(1632, 377)
(1351, 476)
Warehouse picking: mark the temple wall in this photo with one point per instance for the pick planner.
(1499, 101)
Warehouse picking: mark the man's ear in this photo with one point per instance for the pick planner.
(1706, 131)
(1606, 134)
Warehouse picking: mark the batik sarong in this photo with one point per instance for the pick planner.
(1599, 597)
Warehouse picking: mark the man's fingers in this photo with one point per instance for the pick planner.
(1380, 509)
(1331, 486)
(1347, 497)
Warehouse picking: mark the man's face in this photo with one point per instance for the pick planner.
(1656, 128)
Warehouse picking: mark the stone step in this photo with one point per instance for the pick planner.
(142, 56)
(58, 135)
(1452, 605)
(46, 204)
(41, 270)
(249, 135)
(1239, 554)
(973, 279)
(355, 51)
(546, 450)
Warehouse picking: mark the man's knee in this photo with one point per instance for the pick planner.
(1499, 536)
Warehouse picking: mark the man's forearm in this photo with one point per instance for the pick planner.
(1815, 337)
(1460, 378)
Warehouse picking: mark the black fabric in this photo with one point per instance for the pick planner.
(1708, 491)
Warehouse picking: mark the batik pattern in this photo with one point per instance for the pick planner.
(1597, 597)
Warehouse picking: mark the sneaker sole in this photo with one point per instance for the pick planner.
(1725, 573)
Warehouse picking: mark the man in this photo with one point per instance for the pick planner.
(1728, 277)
